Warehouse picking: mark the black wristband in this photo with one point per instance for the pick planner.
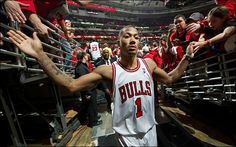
(187, 57)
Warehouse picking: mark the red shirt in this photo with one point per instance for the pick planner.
(170, 61)
(155, 57)
(231, 5)
(181, 37)
(30, 8)
(74, 57)
(90, 66)
(41, 7)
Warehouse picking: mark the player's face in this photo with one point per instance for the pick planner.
(129, 42)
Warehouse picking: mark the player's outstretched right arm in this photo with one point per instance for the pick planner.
(33, 47)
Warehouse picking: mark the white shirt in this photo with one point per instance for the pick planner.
(95, 50)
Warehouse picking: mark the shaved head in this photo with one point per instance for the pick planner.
(122, 31)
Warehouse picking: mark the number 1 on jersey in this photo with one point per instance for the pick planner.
(139, 107)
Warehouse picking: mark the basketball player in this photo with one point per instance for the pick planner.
(133, 118)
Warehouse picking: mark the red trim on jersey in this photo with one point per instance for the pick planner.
(113, 78)
(129, 70)
(145, 63)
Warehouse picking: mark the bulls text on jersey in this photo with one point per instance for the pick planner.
(134, 88)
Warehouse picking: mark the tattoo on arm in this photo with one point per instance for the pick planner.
(55, 73)
(46, 63)
(58, 71)
(69, 79)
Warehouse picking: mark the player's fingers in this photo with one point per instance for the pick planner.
(15, 40)
(15, 36)
(35, 35)
(22, 35)
(18, 36)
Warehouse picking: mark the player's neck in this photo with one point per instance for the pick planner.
(130, 62)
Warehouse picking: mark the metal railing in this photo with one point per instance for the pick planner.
(210, 78)
(12, 58)
(53, 51)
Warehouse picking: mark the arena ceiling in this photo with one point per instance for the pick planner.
(154, 14)
(150, 4)
(157, 8)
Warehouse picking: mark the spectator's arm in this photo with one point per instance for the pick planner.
(41, 28)
(229, 31)
(68, 31)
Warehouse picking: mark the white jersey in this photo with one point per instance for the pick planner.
(95, 50)
(133, 92)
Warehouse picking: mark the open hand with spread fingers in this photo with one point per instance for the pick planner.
(14, 11)
(30, 46)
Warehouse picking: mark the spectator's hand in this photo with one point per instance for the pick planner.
(1, 36)
(14, 11)
(42, 29)
(190, 51)
(198, 45)
(192, 27)
(30, 46)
